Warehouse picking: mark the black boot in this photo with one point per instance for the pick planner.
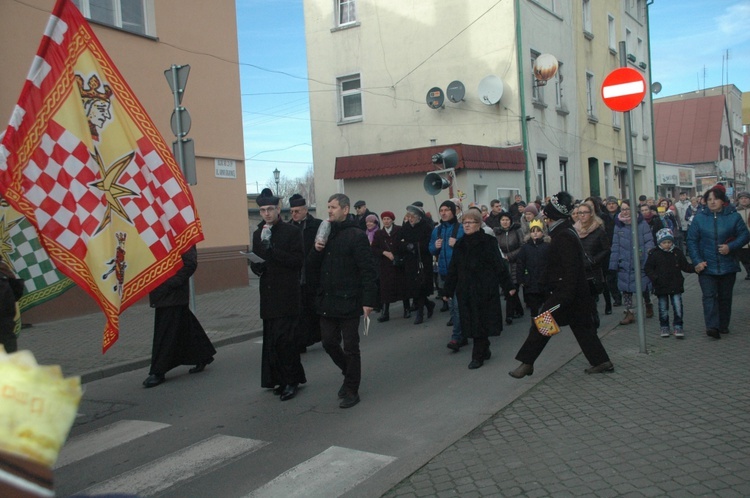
(430, 307)
(407, 309)
(420, 317)
(385, 316)
(445, 306)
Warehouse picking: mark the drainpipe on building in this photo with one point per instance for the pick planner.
(524, 133)
(651, 100)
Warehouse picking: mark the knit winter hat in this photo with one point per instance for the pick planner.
(387, 214)
(451, 205)
(664, 234)
(531, 208)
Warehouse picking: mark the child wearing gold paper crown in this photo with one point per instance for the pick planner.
(532, 263)
(664, 267)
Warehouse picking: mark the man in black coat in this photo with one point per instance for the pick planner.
(567, 287)
(612, 209)
(362, 213)
(279, 244)
(347, 290)
(516, 209)
(308, 329)
(179, 338)
(493, 220)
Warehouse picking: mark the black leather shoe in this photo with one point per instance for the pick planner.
(475, 364)
(608, 310)
(713, 333)
(290, 391)
(278, 390)
(419, 319)
(450, 323)
(509, 321)
(724, 331)
(342, 391)
(430, 308)
(522, 371)
(349, 401)
(154, 380)
(201, 366)
(488, 355)
(444, 307)
(607, 366)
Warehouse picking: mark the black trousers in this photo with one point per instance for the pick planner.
(480, 348)
(333, 332)
(589, 342)
(614, 291)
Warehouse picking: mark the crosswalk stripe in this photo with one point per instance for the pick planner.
(179, 466)
(104, 439)
(330, 473)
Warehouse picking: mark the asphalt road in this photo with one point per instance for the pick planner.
(218, 433)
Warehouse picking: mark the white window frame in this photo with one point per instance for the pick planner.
(612, 33)
(590, 95)
(586, 11)
(343, 94)
(149, 23)
(616, 124)
(558, 79)
(541, 175)
(351, 13)
(645, 128)
(564, 173)
(537, 91)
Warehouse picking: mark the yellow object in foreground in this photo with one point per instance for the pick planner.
(546, 323)
(37, 407)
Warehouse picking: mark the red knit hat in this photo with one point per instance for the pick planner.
(387, 214)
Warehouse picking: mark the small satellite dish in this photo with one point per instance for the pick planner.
(435, 98)
(545, 67)
(725, 165)
(456, 91)
(655, 87)
(490, 90)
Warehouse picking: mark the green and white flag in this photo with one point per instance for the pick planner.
(21, 250)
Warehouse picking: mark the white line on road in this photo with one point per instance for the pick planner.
(104, 439)
(165, 472)
(331, 473)
(622, 89)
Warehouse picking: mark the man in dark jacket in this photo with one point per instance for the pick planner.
(567, 287)
(516, 209)
(308, 330)
(493, 220)
(362, 214)
(279, 244)
(347, 290)
(179, 338)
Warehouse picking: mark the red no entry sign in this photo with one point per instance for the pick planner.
(623, 89)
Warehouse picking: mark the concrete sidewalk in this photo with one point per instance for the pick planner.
(75, 344)
(673, 422)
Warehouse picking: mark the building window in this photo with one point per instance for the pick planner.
(563, 174)
(590, 96)
(612, 33)
(616, 121)
(628, 42)
(347, 12)
(645, 127)
(639, 50)
(350, 98)
(558, 79)
(541, 175)
(587, 17)
(537, 92)
(135, 16)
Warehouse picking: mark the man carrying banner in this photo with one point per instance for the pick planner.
(568, 289)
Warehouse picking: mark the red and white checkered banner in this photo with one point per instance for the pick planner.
(83, 162)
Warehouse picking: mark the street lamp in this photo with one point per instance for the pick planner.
(276, 174)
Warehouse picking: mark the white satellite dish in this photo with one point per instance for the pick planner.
(725, 165)
(490, 90)
(456, 91)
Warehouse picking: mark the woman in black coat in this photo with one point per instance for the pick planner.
(596, 244)
(391, 269)
(475, 274)
(567, 288)
(510, 239)
(413, 245)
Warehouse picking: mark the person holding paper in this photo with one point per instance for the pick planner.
(280, 245)
(347, 290)
(566, 286)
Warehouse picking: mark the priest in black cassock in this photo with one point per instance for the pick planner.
(179, 338)
(280, 245)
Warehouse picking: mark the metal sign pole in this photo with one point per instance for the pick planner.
(634, 212)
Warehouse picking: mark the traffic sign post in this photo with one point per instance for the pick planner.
(623, 90)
